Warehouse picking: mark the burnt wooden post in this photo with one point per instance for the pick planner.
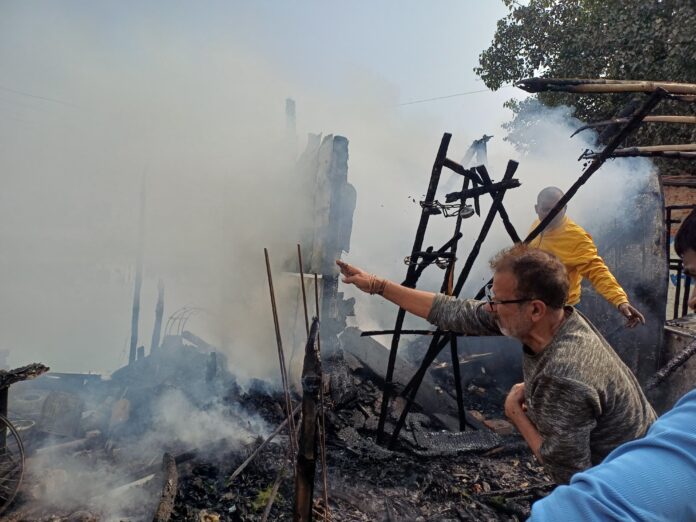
(135, 317)
(159, 313)
(411, 279)
(307, 446)
(447, 289)
(165, 507)
(437, 344)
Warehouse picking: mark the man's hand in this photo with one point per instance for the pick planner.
(354, 276)
(632, 314)
(515, 403)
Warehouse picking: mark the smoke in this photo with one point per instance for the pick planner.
(201, 118)
(540, 142)
(103, 483)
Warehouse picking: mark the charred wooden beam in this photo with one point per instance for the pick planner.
(448, 288)
(597, 162)
(685, 151)
(467, 173)
(485, 189)
(487, 223)
(171, 480)
(24, 373)
(371, 333)
(159, 313)
(511, 166)
(647, 119)
(411, 279)
(585, 86)
(138, 283)
(427, 262)
(253, 454)
(669, 368)
(307, 447)
(274, 492)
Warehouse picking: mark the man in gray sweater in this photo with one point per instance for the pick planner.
(579, 400)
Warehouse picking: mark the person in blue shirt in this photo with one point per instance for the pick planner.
(650, 479)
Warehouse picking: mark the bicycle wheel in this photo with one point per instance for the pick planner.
(11, 462)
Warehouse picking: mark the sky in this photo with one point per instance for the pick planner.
(190, 96)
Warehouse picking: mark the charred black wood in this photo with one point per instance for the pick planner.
(647, 119)
(426, 263)
(517, 491)
(274, 492)
(597, 162)
(196, 341)
(24, 373)
(159, 313)
(304, 292)
(669, 368)
(431, 256)
(411, 279)
(436, 344)
(626, 111)
(635, 152)
(307, 447)
(458, 382)
(511, 166)
(171, 479)
(485, 189)
(467, 173)
(251, 457)
(485, 228)
(135, 315)
(586, 86)
(372, 333)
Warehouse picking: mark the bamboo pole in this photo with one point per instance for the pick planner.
(601, 86)
(647, 119)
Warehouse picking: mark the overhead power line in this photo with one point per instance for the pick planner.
(447, 96)
(53, 100)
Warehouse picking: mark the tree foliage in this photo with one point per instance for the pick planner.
(617, 39)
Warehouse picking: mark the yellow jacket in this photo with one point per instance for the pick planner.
(576, 250)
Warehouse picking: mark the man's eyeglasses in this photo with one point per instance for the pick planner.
(490, 298)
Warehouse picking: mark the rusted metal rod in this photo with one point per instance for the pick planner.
(635, 152)
(281, 357)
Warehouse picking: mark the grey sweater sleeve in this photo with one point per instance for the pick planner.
(464, 316)
(565, 412)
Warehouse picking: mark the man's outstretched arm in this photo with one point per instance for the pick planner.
(417, 302)
(592, 266)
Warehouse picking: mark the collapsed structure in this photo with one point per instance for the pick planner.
(360, 404)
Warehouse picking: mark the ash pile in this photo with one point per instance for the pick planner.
(107, 449)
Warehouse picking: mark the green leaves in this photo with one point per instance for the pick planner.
(628, 39)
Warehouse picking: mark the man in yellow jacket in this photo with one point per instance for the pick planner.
(575, 248)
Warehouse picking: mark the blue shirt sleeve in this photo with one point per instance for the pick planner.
(652, 478)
